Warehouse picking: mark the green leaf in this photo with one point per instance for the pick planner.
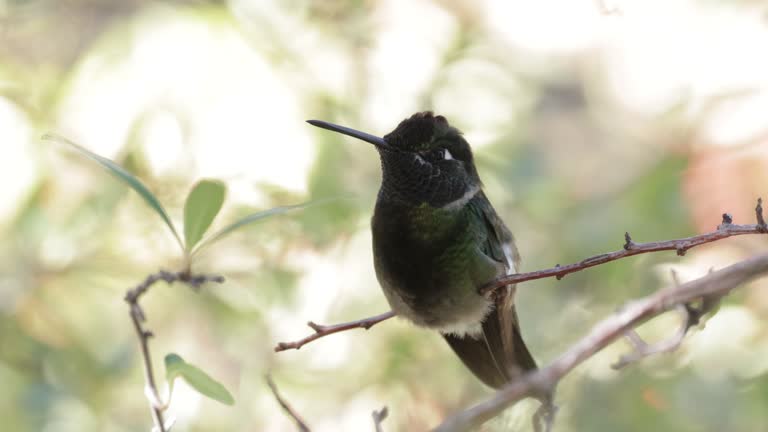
(202, 206)
(175, 367)
(124, 176)
(253, 217)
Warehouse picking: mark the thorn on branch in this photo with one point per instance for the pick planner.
(681, 250)
(628, 243)
(675, 277)
(560, 275)
(727, 219)
(762, 227)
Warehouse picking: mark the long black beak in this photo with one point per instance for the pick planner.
(378, 142)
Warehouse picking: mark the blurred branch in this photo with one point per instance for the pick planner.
(543, 381)
(325, 330)
(641, 349)
(302, 426)
(379, 417)
(681, 246)
(139, 317)
(691, 317)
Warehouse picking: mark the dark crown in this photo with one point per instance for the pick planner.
(419, 132)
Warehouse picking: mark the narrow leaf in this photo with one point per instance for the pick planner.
(202, 206)
(129, 179)
(175, 367)
(253, 217)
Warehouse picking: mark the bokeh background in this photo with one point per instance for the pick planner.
(588, 119)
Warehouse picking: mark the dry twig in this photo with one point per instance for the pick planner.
(300, 424)
(325, 330)
(139, 317)
(378, 415)
(378, 418)
(681, 246)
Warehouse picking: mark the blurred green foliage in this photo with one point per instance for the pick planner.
(583, 129)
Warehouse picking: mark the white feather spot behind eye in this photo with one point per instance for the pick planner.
(447, 155)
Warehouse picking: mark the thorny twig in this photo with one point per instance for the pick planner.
(325, 330)
(139, 317)
(300, 424)
(681, 246)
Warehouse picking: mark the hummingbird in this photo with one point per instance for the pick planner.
(437, 239)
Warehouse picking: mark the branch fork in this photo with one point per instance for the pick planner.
(605, 332)
(138, 317)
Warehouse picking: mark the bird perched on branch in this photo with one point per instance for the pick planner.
(437, 239)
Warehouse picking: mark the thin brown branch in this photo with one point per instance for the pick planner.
(300, 424)
(138, 317)
(378, 418)
(155, 402)
(681, 246)
(325, 330)
(605, 332)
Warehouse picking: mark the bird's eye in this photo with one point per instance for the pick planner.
(436, 155)
(441, 154)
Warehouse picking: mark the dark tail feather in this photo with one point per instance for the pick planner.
(487, 357)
